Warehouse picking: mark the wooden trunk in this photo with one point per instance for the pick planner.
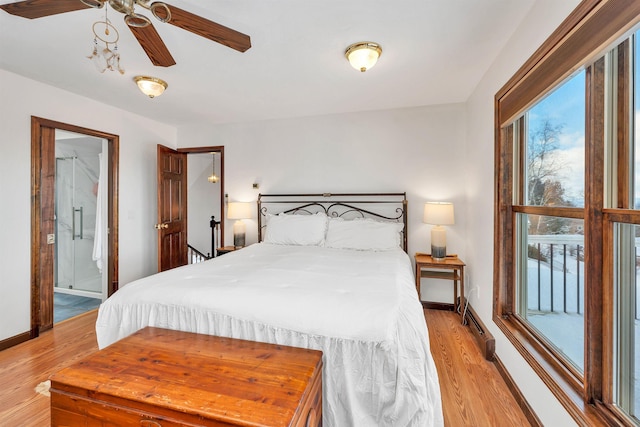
(158, 377)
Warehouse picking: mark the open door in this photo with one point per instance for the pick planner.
(172, 208)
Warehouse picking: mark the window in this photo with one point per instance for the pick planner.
(551, 293)
(626, 385)
(549, 243)
(555, 146)
(626, 260)
(568, 212)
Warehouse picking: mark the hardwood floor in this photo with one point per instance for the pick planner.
(26, 365)
(473, 392)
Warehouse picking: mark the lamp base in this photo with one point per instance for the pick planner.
(239, 240)
(438, 243)
(239, 231)
(438, 253)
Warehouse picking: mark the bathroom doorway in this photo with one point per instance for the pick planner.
(80, 229)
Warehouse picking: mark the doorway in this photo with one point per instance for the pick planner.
(74, 218)
(204, 201)
(205, 198)
(182, 218)
(80, 229)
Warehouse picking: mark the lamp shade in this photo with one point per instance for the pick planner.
(438, 213)
(239, 210)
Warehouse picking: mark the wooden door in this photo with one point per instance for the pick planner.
(172, 208)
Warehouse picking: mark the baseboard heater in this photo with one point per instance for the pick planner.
(484, 339)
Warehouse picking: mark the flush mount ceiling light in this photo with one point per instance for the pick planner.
(150, 86)
(363, 55)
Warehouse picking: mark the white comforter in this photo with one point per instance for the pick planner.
(359, 307)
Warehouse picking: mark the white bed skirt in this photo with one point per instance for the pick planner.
(378, 370)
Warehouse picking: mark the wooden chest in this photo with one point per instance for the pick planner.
(157, 377)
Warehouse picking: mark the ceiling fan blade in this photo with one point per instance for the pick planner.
(39, 8)
(153, 45)
(209, 29)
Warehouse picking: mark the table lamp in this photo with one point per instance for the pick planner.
(438, 214)
(239, 211)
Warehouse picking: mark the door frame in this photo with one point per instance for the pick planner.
(42, 208)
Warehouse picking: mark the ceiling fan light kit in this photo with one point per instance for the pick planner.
(363, 55)
(122, 6)
(151, 86)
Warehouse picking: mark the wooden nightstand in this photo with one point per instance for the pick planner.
(225, 249)
(450, 268)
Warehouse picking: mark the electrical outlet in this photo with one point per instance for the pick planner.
(475, 289)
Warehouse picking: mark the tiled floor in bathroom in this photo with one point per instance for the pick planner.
(66, 306)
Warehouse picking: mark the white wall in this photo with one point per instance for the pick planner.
(417, 150)
(542, 20)
(21, 98)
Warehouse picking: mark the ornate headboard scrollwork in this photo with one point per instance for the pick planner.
(380, 206)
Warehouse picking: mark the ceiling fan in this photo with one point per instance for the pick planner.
(140, 25)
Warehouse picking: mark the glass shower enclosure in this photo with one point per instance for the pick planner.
(78, 227)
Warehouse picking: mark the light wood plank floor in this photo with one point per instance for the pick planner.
(26, 365)
(472, 390)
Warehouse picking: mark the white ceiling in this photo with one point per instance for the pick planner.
(434, 52)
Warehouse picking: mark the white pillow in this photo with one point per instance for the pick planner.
(303, 230)
(363, 234)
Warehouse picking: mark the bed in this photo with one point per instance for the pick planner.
(330, 272)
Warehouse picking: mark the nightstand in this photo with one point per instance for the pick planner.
(450, 268)
(225, 249)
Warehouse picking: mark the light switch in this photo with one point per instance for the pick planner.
(51, 239)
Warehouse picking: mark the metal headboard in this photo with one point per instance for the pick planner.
(382, 206)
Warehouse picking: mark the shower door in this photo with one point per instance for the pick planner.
(75, 213)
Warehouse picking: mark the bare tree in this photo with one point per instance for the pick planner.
(543, 170)
(543, 166)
